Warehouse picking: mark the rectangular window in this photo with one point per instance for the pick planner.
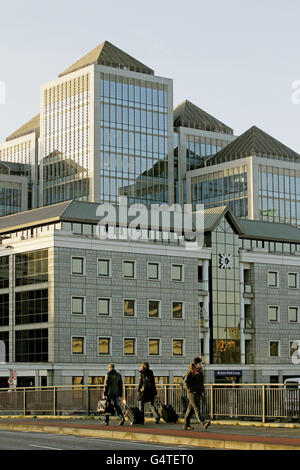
(177, 272)
(104, 267)
(153, 308)
(78, 305)
(77, 265)
(31, 307)
(129, 269)
(273, 313)
(4, 272)
(129, 346)
(178, 347)
(292, 280)
(293, 314)
(104, 306)
(129, 308)
(153, 271)
(4, 309)
(273, 279)
(32, 345)
(154, 347)
(274, 348)
(104, 345)
(177, 309)
(31, 267)
(294, 346)
(78, 345)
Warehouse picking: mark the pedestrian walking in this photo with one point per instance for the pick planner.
(113, 391)
(147, 390)
(194, 385)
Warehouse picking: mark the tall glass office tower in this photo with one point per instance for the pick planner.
(106, 131)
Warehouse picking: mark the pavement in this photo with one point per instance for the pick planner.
(226, 435)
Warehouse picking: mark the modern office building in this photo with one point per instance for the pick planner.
(107, 131)
(15, 188)
(72, 302)
(20, 153)
(197, 136)
(256, 175)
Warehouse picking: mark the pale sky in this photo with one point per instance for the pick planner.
(235, 59)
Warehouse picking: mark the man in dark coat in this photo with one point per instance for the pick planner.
(113, 390)
(194, 385)
(147, 390)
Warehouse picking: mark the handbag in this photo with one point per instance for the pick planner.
(105, 406)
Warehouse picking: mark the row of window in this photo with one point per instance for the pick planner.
(274, 349)
(104, 346)
(104, 307)
(128, 270)
(292, 280)
(274, 311)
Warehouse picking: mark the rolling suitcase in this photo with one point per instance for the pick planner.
(168, 414)
(134, 415)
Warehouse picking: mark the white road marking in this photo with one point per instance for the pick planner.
(44, 447)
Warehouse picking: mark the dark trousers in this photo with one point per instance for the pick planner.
(152, 407)
(193, 407)
(116, 402)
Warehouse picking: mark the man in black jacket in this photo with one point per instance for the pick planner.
(113, 390)
(147, 390)
(194, 385)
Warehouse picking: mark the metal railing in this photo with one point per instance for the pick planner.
(261, 402)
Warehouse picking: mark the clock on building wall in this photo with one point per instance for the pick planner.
(225, 261)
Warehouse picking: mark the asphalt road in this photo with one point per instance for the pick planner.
(14, 440)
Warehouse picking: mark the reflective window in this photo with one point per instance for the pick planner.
(178, 347)
(104, 267)
(129, 269)
(78, 305)
(274, 348)
(31, 307)
(292, 280)
(32, 345)
(177, 309)
(129, 346)
(77, 265)
(129, 308)
(293, 314)
(273, 279)
(104, 345)
(31, 267)
(153, 271)
(154, 345)
(78, 345)
(273, 313)
(177, 272)
(153, 308)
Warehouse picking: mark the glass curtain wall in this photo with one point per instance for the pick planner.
(66, 141)
(198, 149)
(227, 187)
(134, 140)
(279, 194)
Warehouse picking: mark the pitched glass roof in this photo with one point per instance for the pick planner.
(189, 115)
(253, 142)
(31, 126)
(110, 55)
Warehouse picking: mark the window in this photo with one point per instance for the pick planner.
(273, 279)
(154, 347)
(129, 269)
(273, 313)
(32, 345)
(97, 380)
(293, 314)
(153, 308)
(177, 309)
(153, 271)
(294, 347)
(104, 267)
(77, 265)
(129, 308)
(129, 346)
(4, 309)
(178, 347)
(292, 280)
(78, 305)
(31, 267)
(177, 272)
(104, 306)
(78, 344)
(31, 307)
(104, 345)
(274, 348)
